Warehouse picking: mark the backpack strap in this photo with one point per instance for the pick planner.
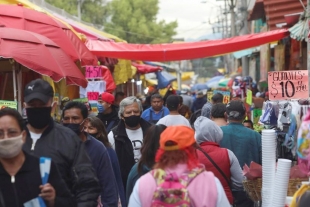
(159, 175)
(110, 125)
(216, 166)
(187, 178)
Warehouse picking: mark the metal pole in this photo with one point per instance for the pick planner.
(245, 60)
(232, 19)
(79, 2)
(226, 20)
(308, 43)
(179, 76)
(14, 82)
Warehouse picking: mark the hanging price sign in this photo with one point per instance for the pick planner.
(288, 85)
(93, 96)
(93, 72)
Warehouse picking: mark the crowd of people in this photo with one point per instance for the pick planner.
(176, 152)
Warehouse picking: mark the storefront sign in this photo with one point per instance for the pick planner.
(226, 95)
(288, 85)
(249, 97)
(8, 104)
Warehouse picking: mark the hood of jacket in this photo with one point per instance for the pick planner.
(207, 131)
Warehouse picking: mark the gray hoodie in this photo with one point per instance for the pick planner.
(207, 131)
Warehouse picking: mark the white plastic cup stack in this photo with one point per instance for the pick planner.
(281, 183)
(269, 165)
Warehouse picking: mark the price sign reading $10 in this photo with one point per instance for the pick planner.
(284, 85)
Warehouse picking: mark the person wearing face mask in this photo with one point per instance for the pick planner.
(127, 137)
(48, 139)
(74, 115)
(20, 178)
(94, 127)
(107, 111)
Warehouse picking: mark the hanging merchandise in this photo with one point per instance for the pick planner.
(284, 117)
(269, 116)
(303, 143)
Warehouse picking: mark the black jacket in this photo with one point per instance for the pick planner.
(109, 120)
(27, 182)
(67, 151)
(124, 149)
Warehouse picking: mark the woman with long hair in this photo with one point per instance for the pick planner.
(177, 178)
(94, 127)
(147, 160)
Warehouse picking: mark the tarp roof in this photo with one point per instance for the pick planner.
(184, 51)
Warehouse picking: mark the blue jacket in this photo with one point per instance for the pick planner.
(150, 116)
(117, 173)
(245, 143)
(99, 156)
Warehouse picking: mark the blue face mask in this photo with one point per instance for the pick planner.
(100, 108)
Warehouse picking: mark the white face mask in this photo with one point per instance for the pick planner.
(11, 147)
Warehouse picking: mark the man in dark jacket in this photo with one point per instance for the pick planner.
(107, 111)
(74, 115)
(127, 137)
(48, 139)
(199, 102)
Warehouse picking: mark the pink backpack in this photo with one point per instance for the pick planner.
(171, 190)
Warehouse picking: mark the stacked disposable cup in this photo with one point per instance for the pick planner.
(269, 165)
(281, 182)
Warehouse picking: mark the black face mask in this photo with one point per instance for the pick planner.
(93, 135)
(74, 127)
(132, 121)
(39, 117)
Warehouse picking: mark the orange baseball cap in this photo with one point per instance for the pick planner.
(182, 135)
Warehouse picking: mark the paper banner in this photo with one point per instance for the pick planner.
(249, 97)
(10, 104)
(226, 95)
(284, 85)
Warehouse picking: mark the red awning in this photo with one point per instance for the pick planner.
(182, 51)
(143, 69)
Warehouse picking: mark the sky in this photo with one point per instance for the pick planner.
(193, 16)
